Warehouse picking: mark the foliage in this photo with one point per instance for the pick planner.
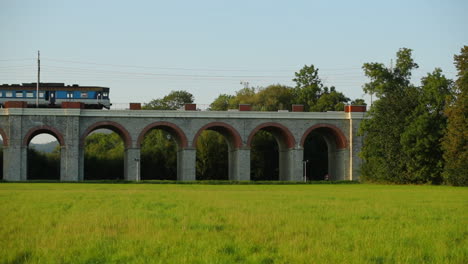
(455, 142)
(212, 156)
(382, 150)
(264, 156)
(173, 101)
(221, 103)
(155, 223)
(158, 156)
(421, 139)
(315, 97)
(43, 166)
(104, 155)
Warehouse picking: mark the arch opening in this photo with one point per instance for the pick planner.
(215, 145)
(323, 149)
(159, 155)
(264, 157)
(212, 156)
(269, 144)
(43, 156)
(104, 152)
(316, 157)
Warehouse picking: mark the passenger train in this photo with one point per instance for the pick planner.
(53, 94)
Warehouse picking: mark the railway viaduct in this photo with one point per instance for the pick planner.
(70, 126)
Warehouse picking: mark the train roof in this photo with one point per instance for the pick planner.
(52, 87)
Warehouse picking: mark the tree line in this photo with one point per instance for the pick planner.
(412, 134)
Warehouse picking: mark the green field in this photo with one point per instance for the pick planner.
(169, 223)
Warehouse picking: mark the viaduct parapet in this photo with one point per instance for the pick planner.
(71, 126)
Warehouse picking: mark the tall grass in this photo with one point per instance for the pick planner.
(153, 223)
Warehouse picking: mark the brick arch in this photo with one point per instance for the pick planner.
(40, 130)
(168, 127)
(4, 137)
(287, 136)
(340, 139)
(116, 127)
(224, 129)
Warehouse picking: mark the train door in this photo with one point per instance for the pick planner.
(52, 97)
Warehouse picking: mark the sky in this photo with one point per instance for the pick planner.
(143, 50)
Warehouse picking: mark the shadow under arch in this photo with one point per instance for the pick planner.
(121, 170)
(167, 167)
(285, 142)
(234, 143)
(324, 148)
(35, 163)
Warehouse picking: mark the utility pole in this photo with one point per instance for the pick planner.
(38, 77)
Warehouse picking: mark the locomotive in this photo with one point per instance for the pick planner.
(53, 94)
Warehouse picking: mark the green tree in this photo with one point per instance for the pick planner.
(273, 98)
(104, 155)
(421, 140)
(382, 150)
(221, 103)
(308, 88)
(358, 101)
(158, 156)
(455, 141)
(330, 100)
(212, 156)
(173, 101)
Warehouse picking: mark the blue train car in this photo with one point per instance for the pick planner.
(53, 94)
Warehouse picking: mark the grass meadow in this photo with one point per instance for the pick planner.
(174, 223)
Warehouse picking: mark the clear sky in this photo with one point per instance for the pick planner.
(144, 49)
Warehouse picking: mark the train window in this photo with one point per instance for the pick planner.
(41, 94)
(19, 93)
(70, 95)
(29, 94)
(8, 94)
(84, 95)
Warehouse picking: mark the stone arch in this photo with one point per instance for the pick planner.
(282, 134)
(115, 127)
(4, 137)
(328, 161)
(171, 128)
(40, 130)
(231, 134)
(336, 133)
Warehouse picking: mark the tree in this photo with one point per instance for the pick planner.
(221, 103)
(316, 97)
(358, 101)
(382, 150)
(173, 101)
(212, 156)
(273, 98)
(455, 141)
(104, 155)
(158, 156)
(308, 88)
(330, 101)
(421, 140)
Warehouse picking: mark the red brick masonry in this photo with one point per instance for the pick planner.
(75, 105)
(16, 104)
(135, 106)
(245, 107)
(355, 108)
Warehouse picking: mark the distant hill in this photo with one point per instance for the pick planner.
(46, 147)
